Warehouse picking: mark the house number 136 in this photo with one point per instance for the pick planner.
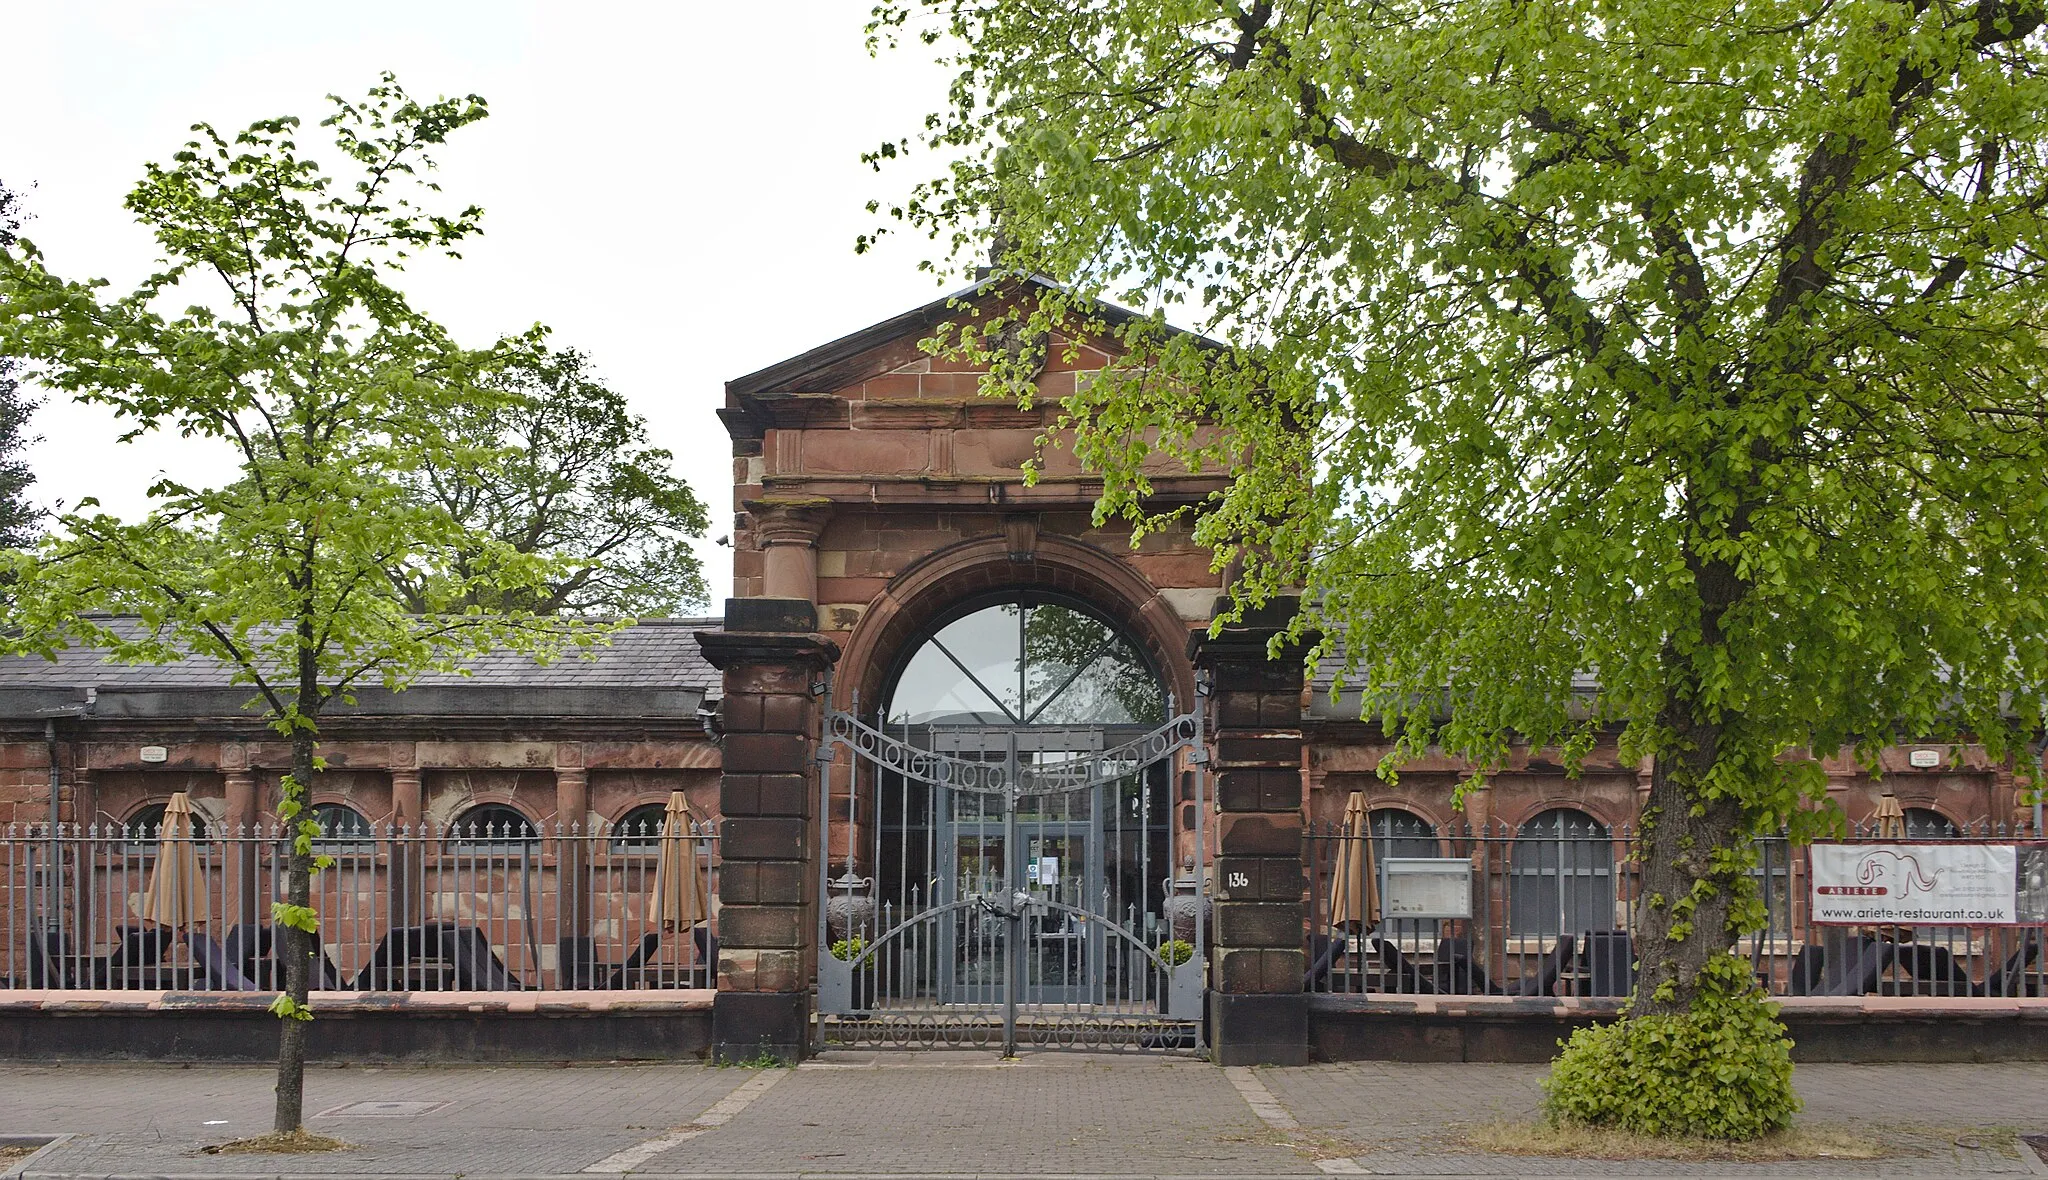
(1239, 881)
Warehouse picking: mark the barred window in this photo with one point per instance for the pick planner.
(1561, 875)
(145, 827)
(639, 830)
(493, 827)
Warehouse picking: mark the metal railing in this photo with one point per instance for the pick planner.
(427, 908)
(1553, 911)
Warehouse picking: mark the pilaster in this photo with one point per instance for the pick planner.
(573, 839)
(408, 857)
(238, 787)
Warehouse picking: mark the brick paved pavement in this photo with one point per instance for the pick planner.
(944, 1115)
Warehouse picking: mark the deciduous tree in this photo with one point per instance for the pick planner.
(1700, 346)
(273, 330)
(558, 466)
(18, 516)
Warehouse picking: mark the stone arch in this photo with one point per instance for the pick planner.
(1617, 823)
(904, 611)
(1438, 817)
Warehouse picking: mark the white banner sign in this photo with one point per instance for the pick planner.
(1916, 884)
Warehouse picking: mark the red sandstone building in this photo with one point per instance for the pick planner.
(896, 576)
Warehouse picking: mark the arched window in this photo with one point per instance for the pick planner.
(1925, 823)
(639, 830)
(343, 830)
(1027, 663)
(493, 827)
(145, 827)
(1561, 875)
(1399, 832)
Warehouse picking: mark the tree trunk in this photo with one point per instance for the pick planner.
(1676, 940)
(1686, 899)
(297, 947)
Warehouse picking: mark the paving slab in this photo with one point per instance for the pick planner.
(942, 1116)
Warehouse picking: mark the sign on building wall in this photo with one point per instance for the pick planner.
(1947, 883)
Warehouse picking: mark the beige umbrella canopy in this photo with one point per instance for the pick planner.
(176, 896)
(678, 893)
(1354, 887)
(1891, 820)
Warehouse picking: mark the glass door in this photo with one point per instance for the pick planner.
(1038, 855)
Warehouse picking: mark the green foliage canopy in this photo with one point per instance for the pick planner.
(1696, 346)
(18, 515)
(556, 465)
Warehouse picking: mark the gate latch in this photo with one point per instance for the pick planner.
(1017, 905)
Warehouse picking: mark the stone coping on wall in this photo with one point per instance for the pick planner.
(54, 1001)
(1584, 1008)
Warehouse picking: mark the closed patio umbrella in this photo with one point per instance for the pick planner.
(678, 902)
(176, 896)
(1891, 825)
(1354, 887)
(1891, 818)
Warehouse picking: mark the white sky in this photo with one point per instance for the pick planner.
(674, 188)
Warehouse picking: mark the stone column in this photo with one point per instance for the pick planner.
(407, 885)
(572, 838)
(767, 926)
(245, 880)
(788, 535)
(1258, 1014)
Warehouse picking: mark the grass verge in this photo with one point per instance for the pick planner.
(1606, 1143)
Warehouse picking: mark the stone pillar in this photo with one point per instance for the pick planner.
(1488, 928)
(788, 535)
(573, 840)
(245, 880)
(767, 925)
(1258, 1014)
(407, 885)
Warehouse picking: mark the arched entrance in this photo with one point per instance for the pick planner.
(1005, 856)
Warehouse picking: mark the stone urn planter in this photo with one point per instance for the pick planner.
(849, 905)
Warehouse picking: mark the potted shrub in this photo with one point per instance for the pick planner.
(846, 950)
(1173, 952)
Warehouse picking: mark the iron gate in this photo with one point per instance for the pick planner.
(1006, 885)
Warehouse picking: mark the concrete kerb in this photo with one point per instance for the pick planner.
(44, 1145)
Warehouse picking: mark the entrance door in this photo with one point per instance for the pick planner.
(1040, 852)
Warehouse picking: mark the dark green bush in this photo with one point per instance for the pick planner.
(1721, 1071)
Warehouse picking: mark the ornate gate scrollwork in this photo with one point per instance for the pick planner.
(1007, 885)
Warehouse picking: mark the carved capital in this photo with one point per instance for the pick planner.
(789, 522)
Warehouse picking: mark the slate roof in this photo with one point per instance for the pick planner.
(651, 654)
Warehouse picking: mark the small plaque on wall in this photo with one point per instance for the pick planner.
(1924, 759)
(155, 754)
